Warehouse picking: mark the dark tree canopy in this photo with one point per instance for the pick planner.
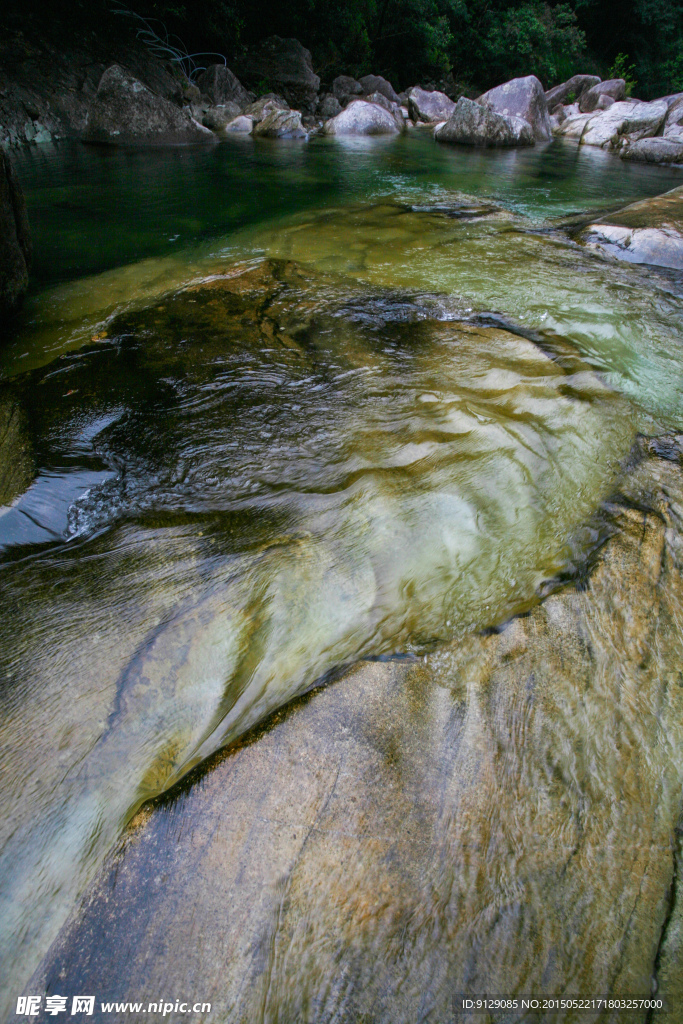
(480, 42)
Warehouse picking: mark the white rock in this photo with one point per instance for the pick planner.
(361, 118)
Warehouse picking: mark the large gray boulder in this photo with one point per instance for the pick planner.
(521, 97)
(329, 106)
(264, 106)
(126, 112)
(216, 118)
(655, 151)
(622, 122)
(362, 118)
(614, 88)
(473, 124)
(345, 88)
(382, 101)
(287, 66)
(281, 124)
(222, 87)
(429, 106)
(375, 83)
(573, 87)
(15, 239)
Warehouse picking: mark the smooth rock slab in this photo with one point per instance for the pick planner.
(650, 231)
(630, 118)
(473, 124)
(655, 151)
(500, 816)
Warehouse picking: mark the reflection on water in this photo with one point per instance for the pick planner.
(287, 448)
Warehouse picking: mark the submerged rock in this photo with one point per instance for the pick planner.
(15, 239)
(650, 231)
(473, 124)
(521, 97)
(363, 118)
(447, 825)
(429, 106)
(126, 112)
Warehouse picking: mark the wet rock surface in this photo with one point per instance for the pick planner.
(15, 239)
(501, 814)
(650, 231)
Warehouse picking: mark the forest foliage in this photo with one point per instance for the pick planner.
(481, 43)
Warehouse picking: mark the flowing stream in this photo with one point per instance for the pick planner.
(272, 409)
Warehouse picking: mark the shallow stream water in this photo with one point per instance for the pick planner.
(273, 409)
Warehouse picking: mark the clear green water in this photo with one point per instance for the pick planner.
(285, 406)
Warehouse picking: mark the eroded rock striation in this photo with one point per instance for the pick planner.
(449, 824)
